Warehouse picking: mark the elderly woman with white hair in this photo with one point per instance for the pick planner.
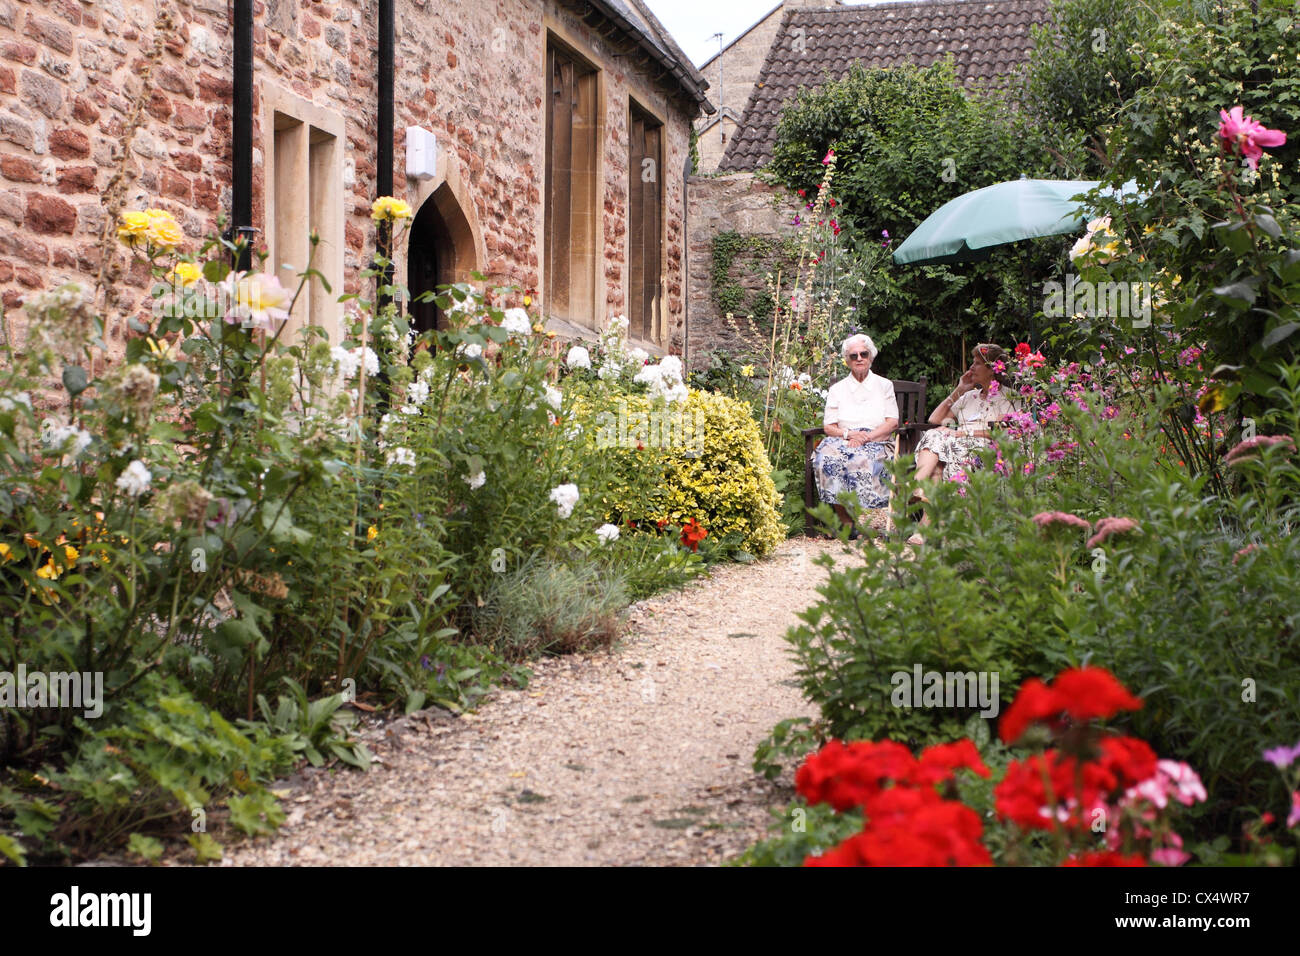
(861, 413)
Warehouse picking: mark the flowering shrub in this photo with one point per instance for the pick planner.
(239, 510)
(1100, 799)
(1109, 557)
(697, 465)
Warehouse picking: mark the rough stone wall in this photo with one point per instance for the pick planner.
(718, 204)
(735, 70)
(69, 83)
(471, 71)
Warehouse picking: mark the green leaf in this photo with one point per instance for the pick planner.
(36, 818)
(214, 270)
(206, 849)
(144, 846)
(1245, 291)
(12, 849)
(1278, 334)
(247, 813)
(415, 700)
(1269, 225)
(75, 379)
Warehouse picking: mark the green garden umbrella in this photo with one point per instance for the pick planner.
(967, 228)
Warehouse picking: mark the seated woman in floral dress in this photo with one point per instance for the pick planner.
(861, 414)
(968, 413)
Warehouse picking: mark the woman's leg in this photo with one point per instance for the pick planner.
(926, 461)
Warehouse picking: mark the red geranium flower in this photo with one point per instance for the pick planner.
(693, 534)
(1106, 858)
(1083, 693)
(938, 762)
(846, 776)
(919, 829)
(1023, 349)
(1089, 692)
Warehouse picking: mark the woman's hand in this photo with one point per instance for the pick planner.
(966, 382)
(855, 439)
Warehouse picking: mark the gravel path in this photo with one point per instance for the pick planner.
(639, 756)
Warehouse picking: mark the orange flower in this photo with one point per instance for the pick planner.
(693, 534)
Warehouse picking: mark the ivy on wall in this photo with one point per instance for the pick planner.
(734, 255)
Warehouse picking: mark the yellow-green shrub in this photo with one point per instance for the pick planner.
(701, 458)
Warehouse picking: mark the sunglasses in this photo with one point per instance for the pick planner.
(854, 356)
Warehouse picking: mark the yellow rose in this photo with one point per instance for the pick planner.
(71, 553)
(185, 273)
(388, 209)
(164, 232)
(48, 571)
(372, 533)
(135, 226)
(6, 552)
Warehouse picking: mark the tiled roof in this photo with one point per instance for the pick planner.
(988, 40)
(638, 22)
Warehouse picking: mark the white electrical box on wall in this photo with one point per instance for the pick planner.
(421, 153)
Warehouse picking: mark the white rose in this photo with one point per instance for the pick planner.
(516, 321)
(565, 497)
(135, 480)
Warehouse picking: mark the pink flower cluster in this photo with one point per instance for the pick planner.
(1109, 526)
(1106, 527)
(1173, 780)
(1060, 450)
(1046, 519)
(1245, 450)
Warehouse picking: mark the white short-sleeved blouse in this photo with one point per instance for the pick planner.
(864, 404)
(974, 409)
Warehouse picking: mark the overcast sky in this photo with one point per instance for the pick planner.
(693, 22)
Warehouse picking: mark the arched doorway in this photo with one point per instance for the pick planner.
(440, 251)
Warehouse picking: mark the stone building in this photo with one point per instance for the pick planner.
(731, 74)
(988, 40)
(553, 134)
(809, 42)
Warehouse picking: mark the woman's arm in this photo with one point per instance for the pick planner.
(883, 431)
(836, 430)
(943, 414)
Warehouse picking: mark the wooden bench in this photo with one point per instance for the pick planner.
(911, 423)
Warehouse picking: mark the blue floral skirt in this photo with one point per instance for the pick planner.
(863, 471)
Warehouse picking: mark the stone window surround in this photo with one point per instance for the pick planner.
(554, 30)
(329, 209)
(651, 346)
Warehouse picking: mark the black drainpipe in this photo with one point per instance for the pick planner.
(686, 264)
(384, 154)
(384, 124)
(241, 160)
